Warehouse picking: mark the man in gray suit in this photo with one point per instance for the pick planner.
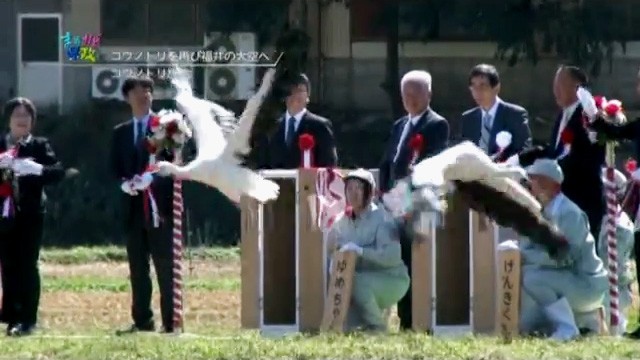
(565, 290)
(493, 115)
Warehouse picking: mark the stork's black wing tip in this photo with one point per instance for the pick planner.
(529, 156)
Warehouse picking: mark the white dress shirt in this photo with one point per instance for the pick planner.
(492, 112)
(297, 117)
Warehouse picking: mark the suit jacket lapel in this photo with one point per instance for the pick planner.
(415, 129)
(475, 126)
(554, 134)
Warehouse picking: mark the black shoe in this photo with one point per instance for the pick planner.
(168, 330)
(21, 330)
(149, 327)
(634, 334)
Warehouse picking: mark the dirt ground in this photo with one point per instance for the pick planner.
(73, 312)
(108, 310)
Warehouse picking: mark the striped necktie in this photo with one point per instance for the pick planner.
(485, 132)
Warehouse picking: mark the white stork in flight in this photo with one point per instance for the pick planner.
(220, 137)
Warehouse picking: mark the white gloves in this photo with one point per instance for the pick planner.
(137, 184)
(22, 167)
(6, 160)
(141, 182)
(127, 188)
(352, 247)
(588, 103)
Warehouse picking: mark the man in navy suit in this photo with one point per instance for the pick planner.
(493, 115)
(420, 119)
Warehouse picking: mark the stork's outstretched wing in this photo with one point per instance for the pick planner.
(486, 187)
(238, 141)
(210, 139)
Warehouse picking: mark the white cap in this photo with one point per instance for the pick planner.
(548, 168)
(362, 174)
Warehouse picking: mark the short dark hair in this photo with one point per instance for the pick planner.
(131, 83)
(300, 79)
(576, 74)
(488, 71)
(11, 105)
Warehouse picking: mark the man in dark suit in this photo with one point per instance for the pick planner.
(582, 166)
(282, 151)
(420, 119)
(493, 115)
(129, 158)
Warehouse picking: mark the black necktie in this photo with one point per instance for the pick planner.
(291, 129)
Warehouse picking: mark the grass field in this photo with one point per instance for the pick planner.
(86, 297)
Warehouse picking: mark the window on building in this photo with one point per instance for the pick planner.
(453, 20)
(40, 39)
(124, 21)
(172, 22)
(150, 22)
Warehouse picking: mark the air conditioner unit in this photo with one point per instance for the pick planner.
(106, 82)
(230, 79)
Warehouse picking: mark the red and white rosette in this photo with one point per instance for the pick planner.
(416, 145)
(503, 140)
(566, 139)
(6, 188)
(306, 143)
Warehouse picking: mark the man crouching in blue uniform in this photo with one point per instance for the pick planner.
(555, 288)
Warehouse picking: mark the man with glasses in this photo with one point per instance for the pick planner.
(493, 115)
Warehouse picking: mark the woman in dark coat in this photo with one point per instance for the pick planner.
(27, 164)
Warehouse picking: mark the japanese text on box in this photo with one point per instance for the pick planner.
(508, 293)
(339, 292)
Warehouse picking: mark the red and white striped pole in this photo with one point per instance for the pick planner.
(178, 210)
(612, 250)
